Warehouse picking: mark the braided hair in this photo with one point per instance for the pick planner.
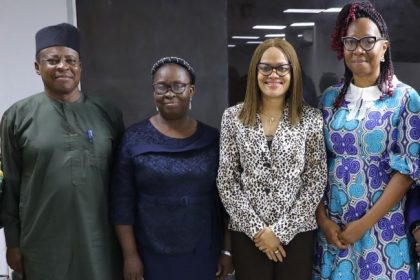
(174, 60)
(348, 14)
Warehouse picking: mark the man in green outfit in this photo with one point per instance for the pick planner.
(57, 149)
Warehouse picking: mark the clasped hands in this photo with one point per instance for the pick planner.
(268, 243)
(341, 238)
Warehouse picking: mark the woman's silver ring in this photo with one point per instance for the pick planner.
(276, 252)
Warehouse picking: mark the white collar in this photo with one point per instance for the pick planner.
(361, 99)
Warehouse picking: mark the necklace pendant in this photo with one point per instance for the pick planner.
(271, 120)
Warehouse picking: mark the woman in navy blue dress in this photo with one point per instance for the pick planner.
(165, 203)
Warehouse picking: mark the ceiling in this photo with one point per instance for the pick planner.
(402, 17)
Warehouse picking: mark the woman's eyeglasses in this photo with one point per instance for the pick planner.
(281, 69)
(367, 43)
(177, 88)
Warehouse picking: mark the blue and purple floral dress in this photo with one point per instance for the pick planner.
(368, 139)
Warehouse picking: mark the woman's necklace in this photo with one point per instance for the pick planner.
(271, 118)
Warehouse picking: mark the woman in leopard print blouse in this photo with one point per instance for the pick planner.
(272, 170)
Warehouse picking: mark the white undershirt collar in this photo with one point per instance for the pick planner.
(360, 100)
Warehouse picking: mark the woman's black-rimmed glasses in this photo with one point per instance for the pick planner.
(367, 43)
(161, 88)
(281, 69)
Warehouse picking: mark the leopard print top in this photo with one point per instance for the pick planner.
(279, 188)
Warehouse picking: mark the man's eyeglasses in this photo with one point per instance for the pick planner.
(281, 70)
(55, 61)
(177, 88)
(367, 43)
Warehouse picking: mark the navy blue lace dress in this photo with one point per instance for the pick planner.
(166, 188)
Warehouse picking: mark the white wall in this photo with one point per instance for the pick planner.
(19, 21)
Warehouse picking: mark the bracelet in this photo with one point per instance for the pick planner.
(226, 253)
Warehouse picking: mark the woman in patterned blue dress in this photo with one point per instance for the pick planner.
(372, 130)
(164, 200)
